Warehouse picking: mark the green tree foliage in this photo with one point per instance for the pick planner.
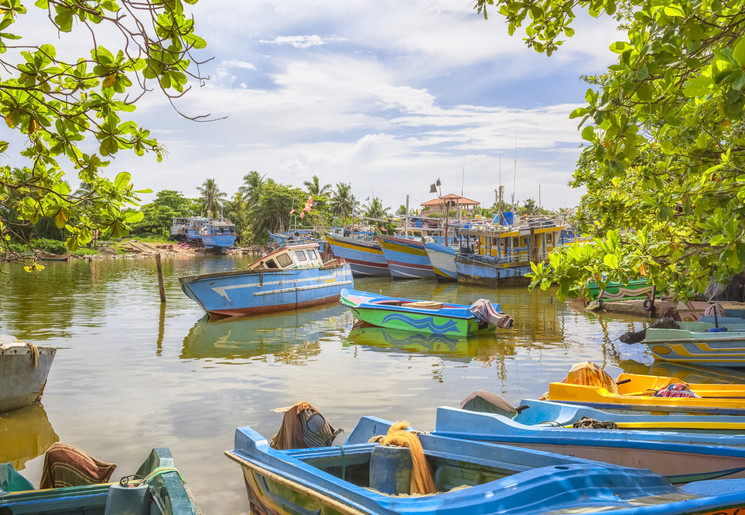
(342, 202)
(236, 210)
(158, 216)
(664, 160)
(376, 210)
(58, 102)
(251, 187)
(211, 198)
(314, 188)
(272, 211)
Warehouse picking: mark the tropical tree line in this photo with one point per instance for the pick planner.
(261, 205)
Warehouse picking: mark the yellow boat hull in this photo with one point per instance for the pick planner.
(637, 392)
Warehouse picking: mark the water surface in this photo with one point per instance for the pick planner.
(131, 373)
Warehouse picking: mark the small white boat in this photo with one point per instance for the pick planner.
(23, 372)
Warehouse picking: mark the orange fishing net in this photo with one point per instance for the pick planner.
(422, 481)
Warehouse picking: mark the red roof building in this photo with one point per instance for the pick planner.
(450, 201)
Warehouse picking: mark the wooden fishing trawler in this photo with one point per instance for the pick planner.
(501, 254)
(292, 277)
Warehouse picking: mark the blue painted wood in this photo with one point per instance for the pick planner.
(558, 413)
(681, 457)
(536, 482)
(245, 292)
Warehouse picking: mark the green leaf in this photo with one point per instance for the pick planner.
(738, 52)
(122, 180)
(674, 10)
(611, 260)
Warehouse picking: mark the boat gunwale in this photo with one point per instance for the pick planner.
(334, 265)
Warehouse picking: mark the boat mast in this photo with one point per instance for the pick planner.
(406, 218)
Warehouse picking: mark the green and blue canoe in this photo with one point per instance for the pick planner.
(455, 320)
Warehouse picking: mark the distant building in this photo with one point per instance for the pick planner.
(450, 201)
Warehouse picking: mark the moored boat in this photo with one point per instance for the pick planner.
(218, 234)
(466, 477)
(292, 277)
(365, 258)
(635, 289)
(455, 320)
(680, 457)
(533, 412)
(47, 256)
(653, 393)
(443, 261)
(502, 254)
(24, 368)
(700, 343)
(157, 487)
(406, 258)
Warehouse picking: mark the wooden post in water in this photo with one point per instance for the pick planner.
(160, 278)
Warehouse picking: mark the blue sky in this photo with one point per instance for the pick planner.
(385, 95)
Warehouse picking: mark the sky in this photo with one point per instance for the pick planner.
(387, 96)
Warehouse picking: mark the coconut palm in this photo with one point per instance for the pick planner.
(211, 197)
(342, 201)
(376, 210)
(315, 189)
(251, 188)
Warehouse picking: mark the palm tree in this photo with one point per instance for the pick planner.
(251, 188)
(376, 210)
(342, 201)
(211, 197)
(315, 189)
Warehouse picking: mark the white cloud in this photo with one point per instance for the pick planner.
(407, 92)
(302, 41)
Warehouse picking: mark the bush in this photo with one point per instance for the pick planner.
(51, 246)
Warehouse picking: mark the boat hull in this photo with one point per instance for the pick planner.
(475, 477)
(453, 320)
(407, 259)
(726, 349)
(636, 289)
(365, 258)
(562, 414)
(255, 292)
(681, 457)
(162, 492)
(636, 392)
(443, 261)
(491, 272)
(23, 374)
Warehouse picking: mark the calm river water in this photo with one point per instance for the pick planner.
(132, 373)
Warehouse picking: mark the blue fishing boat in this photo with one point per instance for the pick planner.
(501, 255)
(157, 487)
(467, 477)
(455, 320)
(406, 258)
(365, 258)
(700, 343)
(680, 457)
(292, 277)
(218, 234)
(442, 258)
(536, 412)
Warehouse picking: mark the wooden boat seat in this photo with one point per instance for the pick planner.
(424, 304)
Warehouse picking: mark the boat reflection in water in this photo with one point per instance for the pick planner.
(25, 434)
(480, 347)
(287, 335)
